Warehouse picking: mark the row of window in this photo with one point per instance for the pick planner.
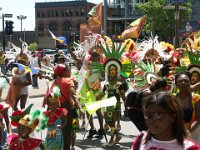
(60, 13)
(53, 26)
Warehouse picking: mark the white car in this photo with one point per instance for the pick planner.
(10, 53)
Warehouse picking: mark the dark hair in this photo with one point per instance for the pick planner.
(170, 103)
(188, 74)
(161, 82)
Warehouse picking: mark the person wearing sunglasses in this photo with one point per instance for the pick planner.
(164, 120)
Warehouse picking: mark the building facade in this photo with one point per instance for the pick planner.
(120, 14)
(61, 18)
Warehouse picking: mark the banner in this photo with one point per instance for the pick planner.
(134, 29)
(94, 106)
(95, 16)
(56, 38)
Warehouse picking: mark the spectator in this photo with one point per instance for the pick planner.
(68, 99)
(2, 62)
(164, 119)
(189, 101)
(160, 85)
(35, 66)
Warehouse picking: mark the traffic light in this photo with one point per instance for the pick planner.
(9, 27)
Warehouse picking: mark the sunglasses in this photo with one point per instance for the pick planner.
(154, 115)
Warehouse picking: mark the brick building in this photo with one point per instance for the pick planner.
(62, 18)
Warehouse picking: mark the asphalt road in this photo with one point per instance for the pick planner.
(128, 132)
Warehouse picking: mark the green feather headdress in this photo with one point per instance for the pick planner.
(146, 68)
(113, 58)
(194, 60)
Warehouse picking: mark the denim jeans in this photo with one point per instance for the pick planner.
(3, 68)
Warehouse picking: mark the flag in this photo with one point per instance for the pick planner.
(56, 38)
(95, 15)
(22, 67)
(134, 29)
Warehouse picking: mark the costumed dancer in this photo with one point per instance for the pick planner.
(26, 123)
(55, 115)
(89, 89)
(23, 58)
(19, 81)
(113, 67)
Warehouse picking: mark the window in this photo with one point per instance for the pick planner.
(82, 12)
(53, 26)
(62, 13)
(67, 26)
(67, 13)
(71, 12)
(57, 13)
(77, 12)
(40, 27)
(43, 14)
(49, 13)
(38, 14)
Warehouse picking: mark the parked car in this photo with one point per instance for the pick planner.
(49, 52)
(10, 53)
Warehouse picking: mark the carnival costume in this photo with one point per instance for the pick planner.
(113, 67)
(30, 121)
(54, 139)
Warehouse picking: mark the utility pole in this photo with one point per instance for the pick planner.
(176, 24)
(3, 34)
(105, 17)
(22, 17)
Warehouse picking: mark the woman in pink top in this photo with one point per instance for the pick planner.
(164, 119)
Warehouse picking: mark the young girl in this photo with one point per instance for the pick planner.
(164, 119)
(26, 123)
(54, 139)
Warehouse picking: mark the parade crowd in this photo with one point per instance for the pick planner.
(157, 84)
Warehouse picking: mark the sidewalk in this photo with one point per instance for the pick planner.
(33, 93)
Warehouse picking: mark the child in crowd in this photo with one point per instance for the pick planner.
(54, 139)
(164, 119)
(26, 123)
(112, 114)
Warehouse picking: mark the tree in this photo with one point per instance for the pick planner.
(33, 47)
(161, 21)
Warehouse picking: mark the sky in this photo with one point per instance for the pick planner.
(25, 8)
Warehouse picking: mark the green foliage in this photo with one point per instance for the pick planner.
(33, 47)
(159, 19)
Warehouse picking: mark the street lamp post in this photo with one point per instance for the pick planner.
(22, 17)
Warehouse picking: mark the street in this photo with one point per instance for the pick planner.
(128, 132)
